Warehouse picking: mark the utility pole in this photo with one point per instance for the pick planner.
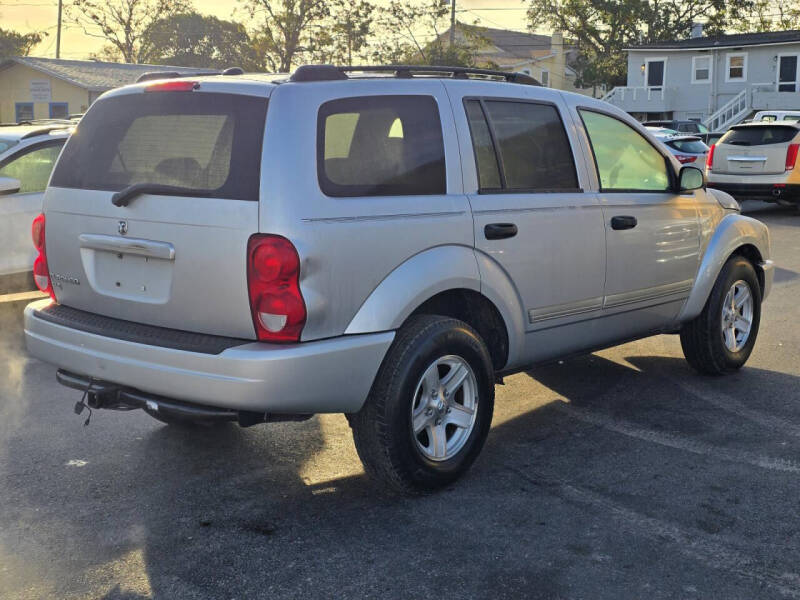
(58, 32)
(452, 22)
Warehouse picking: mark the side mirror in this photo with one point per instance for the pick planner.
(691, 178)
(9, 185)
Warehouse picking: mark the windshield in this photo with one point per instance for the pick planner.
(759, 136)
(6, 143)
(200, 141)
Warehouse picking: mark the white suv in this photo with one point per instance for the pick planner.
(27, 156)
(385, 244)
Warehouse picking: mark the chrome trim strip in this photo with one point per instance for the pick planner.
(387, 217)
(747, 159)
(568, 309)
(110, 243)
(651, 293)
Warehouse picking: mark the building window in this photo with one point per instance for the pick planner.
(24, 111)
(59, 110)
(545, 78)
(736, 67)
(701, 69)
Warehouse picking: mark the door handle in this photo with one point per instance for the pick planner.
(500, 231)
(623, 222)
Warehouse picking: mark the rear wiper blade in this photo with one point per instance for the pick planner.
(123, 197)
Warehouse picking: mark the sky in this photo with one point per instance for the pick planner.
(42, 15)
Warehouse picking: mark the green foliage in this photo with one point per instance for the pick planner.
(285, 29)
(344, 35)
(770, 15)
(413, 32)
(601, 29)
(195, 40)
(17, 44)
(122, 23)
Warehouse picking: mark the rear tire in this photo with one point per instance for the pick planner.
(430, 408)
(716, 342)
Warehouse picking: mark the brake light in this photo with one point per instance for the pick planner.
(710, 159)
(41, 272)
(685, 158)
(273, 282)
(791, 156)
(172, 86)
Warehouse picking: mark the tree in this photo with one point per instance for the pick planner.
(122, 23)
(413, 32)
(17, 44)
(287, 29)
(601, 29)
(345, 34)
(195, 40)
(770, 15)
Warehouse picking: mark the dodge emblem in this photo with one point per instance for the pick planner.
(122, 227)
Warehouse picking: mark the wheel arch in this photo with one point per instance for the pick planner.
(736, 235)
(448, 281)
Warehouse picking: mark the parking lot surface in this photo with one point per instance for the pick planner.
(622, 474)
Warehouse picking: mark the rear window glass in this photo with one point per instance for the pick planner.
(381, 146)
(693, 146)
(6, 144)
(534, 150)
(759, 136)
(210, 143)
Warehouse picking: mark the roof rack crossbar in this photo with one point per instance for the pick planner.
(330, 72)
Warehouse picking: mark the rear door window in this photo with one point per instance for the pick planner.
(32, 167)
(380, 146)
(759, 136)
(204, 142)
(526, 141)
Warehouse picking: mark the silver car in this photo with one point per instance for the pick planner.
(386, 243)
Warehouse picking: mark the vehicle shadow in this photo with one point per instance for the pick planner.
(606, 479)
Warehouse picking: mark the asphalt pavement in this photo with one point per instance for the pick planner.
(617, 475)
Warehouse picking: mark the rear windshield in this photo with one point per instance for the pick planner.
(206, 142)
(693, 146)
(759, 136)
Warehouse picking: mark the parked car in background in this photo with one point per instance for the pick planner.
(386, 244)
(678, 125)
(757, 160)
(27, 156)
(712, 137)
(688, 149)
(776, 115)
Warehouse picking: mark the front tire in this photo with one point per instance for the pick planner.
(430, 408)
(722, 337)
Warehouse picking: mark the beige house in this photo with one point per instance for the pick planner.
(50, 88)
(544, 57)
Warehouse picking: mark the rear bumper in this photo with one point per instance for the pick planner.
(765, 191)
(332, 375)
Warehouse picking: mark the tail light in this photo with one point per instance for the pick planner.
(273, 281)
(41, 272)
(710, 159)
(791, 156)
(685, 158)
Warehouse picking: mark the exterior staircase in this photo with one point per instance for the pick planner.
(731, 113)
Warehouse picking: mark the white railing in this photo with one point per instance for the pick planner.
(634, 93)
(730, 113)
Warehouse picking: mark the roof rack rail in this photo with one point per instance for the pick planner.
(332, 73)
(45, 130)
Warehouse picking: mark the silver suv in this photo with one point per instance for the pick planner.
(383, 244)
